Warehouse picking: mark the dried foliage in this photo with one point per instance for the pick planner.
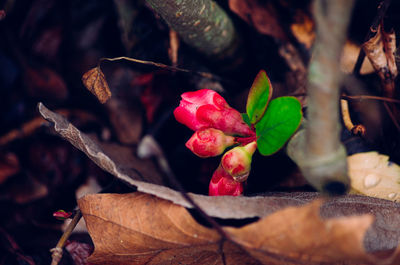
(157, 231)
(95, 81)
(374, 175)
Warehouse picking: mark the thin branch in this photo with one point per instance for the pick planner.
(318, 150)
(167, 67)
(58, 250)
(357, 97)
(362, 97)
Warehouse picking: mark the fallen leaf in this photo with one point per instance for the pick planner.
(25, 189)
(349, 58)
(261, 15)
(79, 252)
(138, 228)
(9, 165)
(45, 82)
(303, 29)
(372, 174)
(380, 50)
(95, 81)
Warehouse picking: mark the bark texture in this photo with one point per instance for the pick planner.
(317, 150)
(202, 24)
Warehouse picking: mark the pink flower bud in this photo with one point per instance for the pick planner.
(227, 120)
(209, 142)
(206, 108)
(223, 184)
(237, 162)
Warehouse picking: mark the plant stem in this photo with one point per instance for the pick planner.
(58, 250)
(202, 24)
(318, 151)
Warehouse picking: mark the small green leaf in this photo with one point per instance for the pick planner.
(279, 122)
(246, 118)
(259, 96)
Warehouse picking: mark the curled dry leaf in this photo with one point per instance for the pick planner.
(141, 229)
(372, 174)
(380, 50)
(95, 81)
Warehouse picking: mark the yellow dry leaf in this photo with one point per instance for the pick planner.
(372, 174)
(95, 81)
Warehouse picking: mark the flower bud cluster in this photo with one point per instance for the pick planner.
(218, 126)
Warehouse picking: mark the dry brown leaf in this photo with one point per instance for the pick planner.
(303, 29)
(142, 229)
(260, 15)
(349, 58)
(95, 81)
(389, 42)
(372, 174)
(9, 165)
(380, 50)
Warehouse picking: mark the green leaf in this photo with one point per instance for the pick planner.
(246, 118)
(259, 96)
(279, 122)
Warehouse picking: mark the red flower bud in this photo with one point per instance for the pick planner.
(237, 162)
(209, 142)
(223, 184)
(62, 215)
(206, 108)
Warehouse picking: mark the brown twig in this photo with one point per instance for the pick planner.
(363, 97)
(58, 250)
(357, 97)
(173, 47)
(167, 67)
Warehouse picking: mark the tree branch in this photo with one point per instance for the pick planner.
(202, 24)
(318, 151)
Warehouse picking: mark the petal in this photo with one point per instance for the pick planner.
(187, 118)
